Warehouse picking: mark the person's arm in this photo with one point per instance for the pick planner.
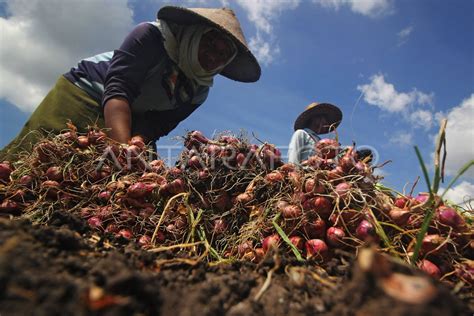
(141, 50)
(295, 147)
(118, 118)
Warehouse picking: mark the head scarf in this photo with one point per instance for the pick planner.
(182, 46)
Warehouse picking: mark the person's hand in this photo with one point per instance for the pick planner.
(118, 118)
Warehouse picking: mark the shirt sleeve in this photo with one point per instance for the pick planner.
(141, 50)
(297, 144)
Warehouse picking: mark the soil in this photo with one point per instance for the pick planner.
(65, 269)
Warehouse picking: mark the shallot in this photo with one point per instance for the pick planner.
(5, 171)
(95, 222)
(244, 198)
(125, 233)
(323, 206)
(348, 161)
(82, 142)
(244, 248)
(140, 190)
(204, 174)
(9, 206)
(315, 228)
(316, 248)
(195, 162)
(292, 211)
(287, 167)
(269, 242)
(51, 187)
(399, 216)
(449, 216)
(335, 236)
(402, 202)
(298, 242)
(430, 268)
(433, 244)
(96, 137)
(26, 180)
(241, 159)
(313, 186)
(112, 229)
(342, 190)
(144, 241)
(54, 173)
(137, 141)
(365, 230)
(212, 150)
(274, 177)
(327, 148)
(220, 226)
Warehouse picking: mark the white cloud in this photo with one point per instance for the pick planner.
(371, 8)
(265, 52)
(438, 116)
(460, 137)
(422, 118)
(262, 14)
(196, 2)
(385, 96)
(404, 34)
(402, 139)
(42, 39)
(461, 194)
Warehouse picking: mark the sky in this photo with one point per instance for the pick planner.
(395, 68)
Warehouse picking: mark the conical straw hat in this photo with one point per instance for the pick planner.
(332, 113)
(244, 67)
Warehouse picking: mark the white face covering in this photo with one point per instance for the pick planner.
(183, 49)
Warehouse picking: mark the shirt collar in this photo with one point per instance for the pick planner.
(312, 133)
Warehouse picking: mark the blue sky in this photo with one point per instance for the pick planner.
(394, 67)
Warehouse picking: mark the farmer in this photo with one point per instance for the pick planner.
(317, 119)
(162, 73)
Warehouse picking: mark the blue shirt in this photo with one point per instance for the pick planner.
(302, 145)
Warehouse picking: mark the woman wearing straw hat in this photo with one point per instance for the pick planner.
(318, 118)
(161, 73)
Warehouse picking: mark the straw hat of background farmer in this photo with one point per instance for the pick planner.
(317, 119)
(161, 73)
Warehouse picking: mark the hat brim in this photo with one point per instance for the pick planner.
(244, 67)
(332, 113)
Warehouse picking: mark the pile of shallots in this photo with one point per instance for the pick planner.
(229, 199)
